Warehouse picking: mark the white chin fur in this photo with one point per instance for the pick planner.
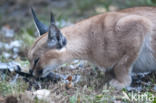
(48, 70)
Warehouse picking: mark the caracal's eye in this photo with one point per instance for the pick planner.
(36, 61)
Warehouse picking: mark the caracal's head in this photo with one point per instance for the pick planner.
(45, 54)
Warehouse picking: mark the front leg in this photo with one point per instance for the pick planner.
(122, 71)
(130, 31)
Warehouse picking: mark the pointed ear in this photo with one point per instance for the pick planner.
(42, 28)
(55, 38)
(52, 36)
(52, 18)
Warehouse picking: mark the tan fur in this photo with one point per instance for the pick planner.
(109, 39)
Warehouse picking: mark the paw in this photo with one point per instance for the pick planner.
(119, 85)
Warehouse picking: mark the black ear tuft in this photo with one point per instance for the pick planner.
(52, 18)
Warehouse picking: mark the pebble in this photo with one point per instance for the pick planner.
(16, 43)
(7, 32)
(12, 66)
(42, 94)
(6, 55)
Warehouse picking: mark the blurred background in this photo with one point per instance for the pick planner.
(18, 32)
(16, 22)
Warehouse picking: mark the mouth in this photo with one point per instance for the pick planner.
(45, 74)
(50, 76)
(48, 70)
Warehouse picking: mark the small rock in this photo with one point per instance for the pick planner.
(3, 65)
(7, 46)
(6, 55)
(13, 44)
(7, 32)
(12, 66)
(16, 44)
(42, 94)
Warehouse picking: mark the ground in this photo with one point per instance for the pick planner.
(82, 82)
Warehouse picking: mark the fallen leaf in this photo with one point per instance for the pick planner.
(69, 78)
